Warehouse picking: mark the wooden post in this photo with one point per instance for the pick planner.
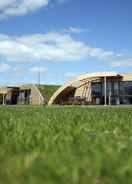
(3, 99)
(109, 98)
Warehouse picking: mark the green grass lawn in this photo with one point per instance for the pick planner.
(65, 145)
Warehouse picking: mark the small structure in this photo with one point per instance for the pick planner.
(21, 95)
(3, 93)
(105, 88)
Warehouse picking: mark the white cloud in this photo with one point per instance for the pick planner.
(75, 30)
(122, 63)
(21, 7)
(37, 69)
(4, 67)
(51, 46)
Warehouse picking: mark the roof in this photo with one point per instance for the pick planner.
(98, 74)
(127, 76)
(78, 80)
(3, 90)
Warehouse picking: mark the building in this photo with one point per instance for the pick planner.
(106, 88)
(21, 95)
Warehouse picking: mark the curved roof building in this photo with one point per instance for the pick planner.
(21, 95)
(95, 88)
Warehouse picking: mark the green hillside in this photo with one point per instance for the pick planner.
(48, 90)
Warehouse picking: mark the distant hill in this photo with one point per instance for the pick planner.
(48, 90)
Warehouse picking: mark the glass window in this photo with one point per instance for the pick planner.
(116, 88)
(126, 88)
(96, 89)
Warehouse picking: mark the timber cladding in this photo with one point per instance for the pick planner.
(21, 95)
(95, 88)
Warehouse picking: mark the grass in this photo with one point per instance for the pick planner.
(48, 90)
(65, 145)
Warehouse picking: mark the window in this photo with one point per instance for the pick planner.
(126, 88)
(96, 89)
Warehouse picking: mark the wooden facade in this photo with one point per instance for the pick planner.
(104, 88)
(21, 95)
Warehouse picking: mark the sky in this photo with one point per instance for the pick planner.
(61, 39)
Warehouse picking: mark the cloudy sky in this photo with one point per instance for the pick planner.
(63, 38)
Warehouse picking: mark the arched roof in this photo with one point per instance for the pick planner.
(77, 81)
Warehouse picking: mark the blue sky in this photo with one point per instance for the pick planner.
(63, 38)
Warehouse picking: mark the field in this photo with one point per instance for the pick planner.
(65, 145)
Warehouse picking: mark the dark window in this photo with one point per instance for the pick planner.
(126, 88)
(126, 92)
(96, 89)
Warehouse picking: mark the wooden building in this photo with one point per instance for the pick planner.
(106, 88)
(21, 95)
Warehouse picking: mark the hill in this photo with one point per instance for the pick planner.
(48, 90)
